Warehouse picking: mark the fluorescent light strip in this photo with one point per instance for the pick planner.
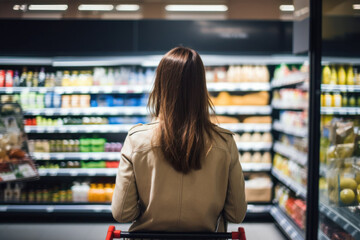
(196, 8)
(48, 7)
(96, 7)
(356, 6)
(128, 7)
(287, 8)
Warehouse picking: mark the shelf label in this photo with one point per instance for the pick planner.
(50, 209)
(3, 208)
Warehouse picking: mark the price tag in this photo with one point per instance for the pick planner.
(9, 91)
(53, 172)
(50, 209)
(3, 208)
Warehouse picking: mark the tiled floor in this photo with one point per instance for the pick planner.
(97, 231)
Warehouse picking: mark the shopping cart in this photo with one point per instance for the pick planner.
(112, 233)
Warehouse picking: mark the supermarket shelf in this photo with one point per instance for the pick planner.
(231, 110)
(80, 89)
(339, 88)
(98, 111)
(291, 79)
(281, 105)
(286, 223)
(322, 236)
(254, 146)
(85, 208)
(295, 131)
(124, 128)
(106, 128)
(256, 167)
(247, 127)
(77, 156)
(77, 172)
(88, 208)
(238, 86)
(296, 187)
(342, 216)
(143, 88)
(340, 110)
(291, 153)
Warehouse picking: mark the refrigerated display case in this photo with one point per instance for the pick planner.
(339, 175)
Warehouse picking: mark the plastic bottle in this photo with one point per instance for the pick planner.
(8, 193)
(76, 193)
(108, 192)
(326, 75)
(101, 193)
(342, 76)
(350, 76)
(92, 193)
(334, 77)
(84, 192)
(337, 100)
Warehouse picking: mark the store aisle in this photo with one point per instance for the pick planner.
(97, 231)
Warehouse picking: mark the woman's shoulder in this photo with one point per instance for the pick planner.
(138, 128)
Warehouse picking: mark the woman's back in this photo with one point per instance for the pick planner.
(150, 191)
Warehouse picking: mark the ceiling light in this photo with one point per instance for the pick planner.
(128, 7)
(52, 7)
(356, 6)
(196, 8)
(287, 8)
(96, 7)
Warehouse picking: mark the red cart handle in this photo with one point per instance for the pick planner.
(112, 233)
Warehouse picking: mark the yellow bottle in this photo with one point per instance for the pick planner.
(65, 81)
(342, 76)
(108, 192)
(333, 78)
(337, 100)
(92, 193)
(350, 76)
(101, 193)
(328, 101)
(326, 75)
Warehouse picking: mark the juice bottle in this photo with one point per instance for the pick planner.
(337, 99)
(350, 76)
(342, 76)
(344, 100)
(334, 77)
(108, 192)
(352, 101)
(92, 193)
(326, 75)
(357, 77)
(101, 193)
(328, 101)
(65, 81)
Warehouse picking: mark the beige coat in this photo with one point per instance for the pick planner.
(155, 197)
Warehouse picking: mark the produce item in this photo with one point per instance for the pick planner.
(347, 196)
(348, 183)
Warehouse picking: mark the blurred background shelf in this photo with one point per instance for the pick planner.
(296, 187)
(77, 156)
(291, 152)
(295, 131)
(124, 128)
(256, 167)
(286, 224)
(254, 146)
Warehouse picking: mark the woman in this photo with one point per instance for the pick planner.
(180, 173)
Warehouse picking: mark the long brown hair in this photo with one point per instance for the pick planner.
(181, 101)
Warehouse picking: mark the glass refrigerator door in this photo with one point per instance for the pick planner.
(339, 186)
